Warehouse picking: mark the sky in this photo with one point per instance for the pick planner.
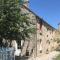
(49, 10)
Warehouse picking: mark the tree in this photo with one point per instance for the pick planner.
(13, 25)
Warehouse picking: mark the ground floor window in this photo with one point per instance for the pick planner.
(27, 52)
(40, 51)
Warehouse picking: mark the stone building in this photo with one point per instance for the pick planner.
(42, 42)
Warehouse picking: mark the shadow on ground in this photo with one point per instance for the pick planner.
(21, 58)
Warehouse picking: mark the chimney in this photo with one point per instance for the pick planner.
(24, 2)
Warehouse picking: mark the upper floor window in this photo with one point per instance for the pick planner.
(47, 35)
(47, 51)
(51, 39)
(40, 51)
(40, 33)
(40, 40)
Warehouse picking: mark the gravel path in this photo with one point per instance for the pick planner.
(49, 56)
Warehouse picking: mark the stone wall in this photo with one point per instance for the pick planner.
(43, 40)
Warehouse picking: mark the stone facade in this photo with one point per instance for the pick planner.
(43, 41)
(45, 37)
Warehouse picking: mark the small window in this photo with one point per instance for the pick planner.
(47, 51)
(59, 44)
(48, 41)
(19, 47)
(40, 40)
(27, 53)
(40, 33)
(40, 51)
(47, 35)
(51, 39)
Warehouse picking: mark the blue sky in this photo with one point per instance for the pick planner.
(49, 10)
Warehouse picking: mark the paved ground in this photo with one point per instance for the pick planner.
(49, 56)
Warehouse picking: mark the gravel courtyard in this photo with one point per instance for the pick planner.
(49, 56)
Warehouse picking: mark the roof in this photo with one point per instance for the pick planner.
(39, 17)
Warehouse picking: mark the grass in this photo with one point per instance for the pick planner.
(57, 58)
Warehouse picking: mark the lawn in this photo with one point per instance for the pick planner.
(57, 58)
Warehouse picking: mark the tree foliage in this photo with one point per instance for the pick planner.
(13, 25)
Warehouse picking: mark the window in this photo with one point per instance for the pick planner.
(40, 51)
(40, 33)
(40, 40)
(48, 41)
(51, 39)
(47, 35)
(59, 44)
(19, 47)
(27, 53)
(47, 51)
